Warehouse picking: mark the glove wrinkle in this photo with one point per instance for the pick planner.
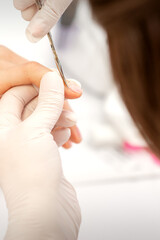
(41, 203)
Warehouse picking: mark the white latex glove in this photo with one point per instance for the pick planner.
(42, 21)
(61, 131)
(42, 205)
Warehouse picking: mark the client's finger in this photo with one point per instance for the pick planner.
(73, 90)
(29, 68)
(67, 145)
(5, 64)
(9, 56)
(75, 132)
(30, 73)
(76, 136)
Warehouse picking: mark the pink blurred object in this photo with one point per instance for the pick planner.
(132, 148)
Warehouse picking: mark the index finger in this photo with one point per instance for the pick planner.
(9, 56)
(28, 73)
(25, 72)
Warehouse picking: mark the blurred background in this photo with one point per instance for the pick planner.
(116, 178)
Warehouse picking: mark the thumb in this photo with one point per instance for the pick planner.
(46, 18)
(50, 102)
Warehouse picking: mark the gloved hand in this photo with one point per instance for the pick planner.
(65, 126)
(41, 203)
(15, 70)
(42, 21)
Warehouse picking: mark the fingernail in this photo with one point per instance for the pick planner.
(31, 38)
(74, 85)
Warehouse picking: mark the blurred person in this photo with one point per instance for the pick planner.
(134, 41)
(133, 30)
(69, 15)
(63, 37)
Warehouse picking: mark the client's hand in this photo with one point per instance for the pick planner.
(15, 70)
(41, 203)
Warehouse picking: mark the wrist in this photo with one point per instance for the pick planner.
(32, 217)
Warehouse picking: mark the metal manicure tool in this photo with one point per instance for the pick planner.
(57, 61)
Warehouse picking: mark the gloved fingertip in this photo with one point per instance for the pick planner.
(31, 38)
(62, 136)
(52, 80)
(68, 132)
(71, 117)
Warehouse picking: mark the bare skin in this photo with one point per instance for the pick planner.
(15, 70)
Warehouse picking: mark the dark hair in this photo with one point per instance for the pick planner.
(133, 30)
